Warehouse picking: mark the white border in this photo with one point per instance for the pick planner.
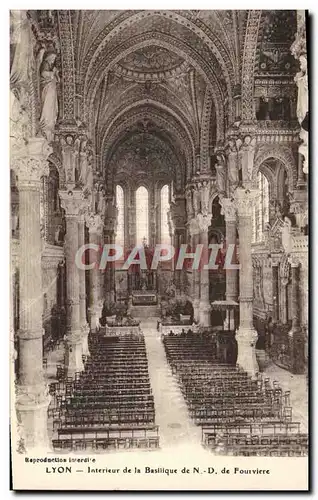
(312, 5)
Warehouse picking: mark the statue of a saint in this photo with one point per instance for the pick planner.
(301, 80)
(23, 41)
(205, 197)
(48, 88)
(196, 201)
(220, 176)
(101, 206)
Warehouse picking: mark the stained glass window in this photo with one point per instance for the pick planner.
(142, 217)
(164, 206)
(261, 209)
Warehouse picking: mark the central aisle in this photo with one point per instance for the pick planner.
(175, 426)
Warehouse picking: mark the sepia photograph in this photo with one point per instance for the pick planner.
(159, 164)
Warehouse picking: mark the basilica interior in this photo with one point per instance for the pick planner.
(139, 128)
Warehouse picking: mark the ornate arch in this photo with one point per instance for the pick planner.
(250, 46)
(165, 41)
(213, 195)
(270, 176)
(282, 153)
(163, 120)
(214, 43)
(130, 98)
(56, 161)
(183, 124)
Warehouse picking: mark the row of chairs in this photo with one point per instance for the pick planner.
(238, 415)
(110, 404)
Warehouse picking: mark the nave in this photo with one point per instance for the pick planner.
(180, 128)
(152, 391)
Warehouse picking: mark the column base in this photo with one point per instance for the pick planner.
(205, 314)
(129, 309)
(73, 355)
(31, 408)
(297, 351)
(96, 313)
(246, 353)
(196, 310)
(85, 332)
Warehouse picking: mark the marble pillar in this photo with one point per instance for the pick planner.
(32, 398)
(296, 340)
(205, 307)
(94, 223)
(196, 283)
(82, 290)
(74, 204)
(246, 336)
(275, 291)
(231, 275)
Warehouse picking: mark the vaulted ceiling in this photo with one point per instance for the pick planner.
(169, 75)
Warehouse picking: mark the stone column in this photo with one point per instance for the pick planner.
(82, 290)
(177, 216)
(246, 335)
(196, 282)
(32, 395)
(275, 291)
(94, 223)
(205, 307)
(74, 204)
(231, 275)
(296, 341)
(177, 272)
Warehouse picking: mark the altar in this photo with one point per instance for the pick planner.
(144, 298)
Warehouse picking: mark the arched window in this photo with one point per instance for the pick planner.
(142, 220)
(164, 209)
(261, 208)
(120, 204)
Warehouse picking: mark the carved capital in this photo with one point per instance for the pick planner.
(294, 261)
(94, 223)
(203, 221)
(245, 201)
(228, 209)
(30, 162)
(193, 226)
(73, 202)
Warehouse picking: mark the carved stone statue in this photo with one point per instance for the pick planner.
(232, 166)
(23, 42)
(301, 80)
(101, 206)
(220, 175)
(18, 122)
(48, 87)
(286, 235)
(189, 203)
(205, 197)
(83, 168)
(196, 201)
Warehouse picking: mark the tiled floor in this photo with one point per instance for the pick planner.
(175, 426)
(298, 392)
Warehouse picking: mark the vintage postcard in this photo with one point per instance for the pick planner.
(159, 250)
